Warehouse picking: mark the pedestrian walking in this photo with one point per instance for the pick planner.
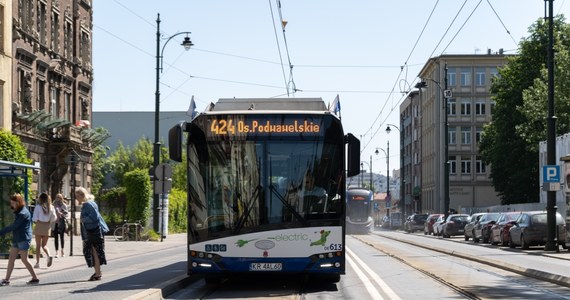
(93, 231)
(61, 212)
(21, 230)
(44, 216)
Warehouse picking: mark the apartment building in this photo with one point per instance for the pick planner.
(468, 79)
(5, 63)
(51, 89)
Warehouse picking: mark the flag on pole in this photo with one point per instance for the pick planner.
(335, 106)
(192, 109)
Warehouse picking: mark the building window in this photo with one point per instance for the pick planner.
(67, 107)
(55, 32)
(492, 105)
(85, 46)
(451, 136)
(53, 102)
(42, 22)
(466, 135)
(452, 165)
(493, 72)
(465, 77)
(466, 108)
(478, 133)
(465, 165)
(480, 107)
(68, 43)
(41, 99)
(26, 15)
(480, 77)
(479, 165)
(451, 110)
(451, 73)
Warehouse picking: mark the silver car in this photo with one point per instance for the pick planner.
(530, 229)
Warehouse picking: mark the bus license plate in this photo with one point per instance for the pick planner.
(265, 267)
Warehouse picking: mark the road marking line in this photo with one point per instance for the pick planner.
(389, 292)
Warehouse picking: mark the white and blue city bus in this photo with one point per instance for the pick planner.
(266, 187)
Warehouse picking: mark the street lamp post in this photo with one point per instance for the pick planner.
(388, 198)
(370, 167)
(446, 94)
(402, 171)
(187, 43)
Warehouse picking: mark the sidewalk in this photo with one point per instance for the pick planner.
(134, 270)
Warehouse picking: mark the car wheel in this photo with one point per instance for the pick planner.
(524, 245)
(503, 242)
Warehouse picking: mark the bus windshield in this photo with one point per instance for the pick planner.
(268, 183)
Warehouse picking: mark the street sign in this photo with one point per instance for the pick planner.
(447, 94)
(163, 171)
(551, 186)
(162, 186)
(551, 174)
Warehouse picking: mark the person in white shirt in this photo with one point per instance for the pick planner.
(44, 215)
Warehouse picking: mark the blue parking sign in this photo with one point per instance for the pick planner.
(551, 174)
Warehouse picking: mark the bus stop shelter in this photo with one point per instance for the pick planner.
(14, 169)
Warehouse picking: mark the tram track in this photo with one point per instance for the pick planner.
(390, 253)
(414, 256)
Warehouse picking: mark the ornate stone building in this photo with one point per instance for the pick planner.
(51, 97)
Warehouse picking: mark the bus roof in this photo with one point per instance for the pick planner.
(269, 104)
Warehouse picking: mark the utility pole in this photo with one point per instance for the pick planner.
(446, 152)
(551, 238)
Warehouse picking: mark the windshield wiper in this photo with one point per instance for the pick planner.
(245, 216)
(289, 207)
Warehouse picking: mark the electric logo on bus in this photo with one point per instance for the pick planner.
(232, 127)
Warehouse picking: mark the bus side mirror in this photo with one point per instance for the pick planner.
(353, 168)
(175, 137)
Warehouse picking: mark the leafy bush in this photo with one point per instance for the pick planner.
(177, 211)
(138, 191)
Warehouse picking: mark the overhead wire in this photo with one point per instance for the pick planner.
(505, 27)
(462, 25)
(278, 47)
(448, 28)
(291, 81)
(396, 82)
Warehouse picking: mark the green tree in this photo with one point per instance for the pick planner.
(12, 149)
(510, 142)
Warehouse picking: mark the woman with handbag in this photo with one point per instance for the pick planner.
(60, 224)
(93, 231)
(44, 216)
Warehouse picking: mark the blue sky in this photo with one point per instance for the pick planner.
(366, 51)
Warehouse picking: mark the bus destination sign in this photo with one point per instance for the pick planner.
(229, 126)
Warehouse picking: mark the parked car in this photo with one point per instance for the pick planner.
(438, 225)
(500, 230)
(530, 229)
(482, 230)
(415, 222)
(454, 225)
(428, 224)
(395, 220)
(468, 230)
